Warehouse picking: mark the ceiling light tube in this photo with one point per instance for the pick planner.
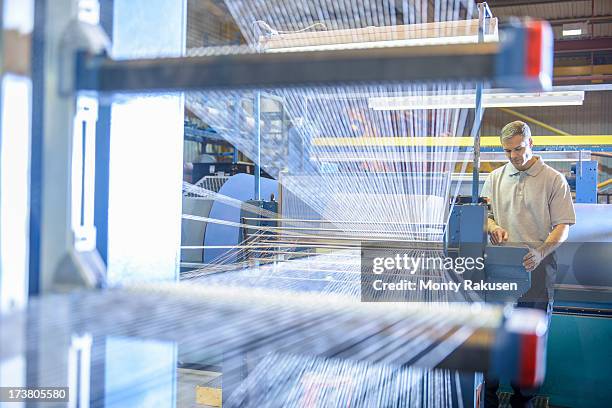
(489, 100)
(446, 32)
(570, 33)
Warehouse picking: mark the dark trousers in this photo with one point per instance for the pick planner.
(539, 296)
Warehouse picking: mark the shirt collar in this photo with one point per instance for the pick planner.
(533, 171)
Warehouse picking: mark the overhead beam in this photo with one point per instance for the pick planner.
(583, 45)
(248, 71)
(583, 19)
(581, 79)
(503, 64)
(514, 3)
(604, 69)
(582, 73)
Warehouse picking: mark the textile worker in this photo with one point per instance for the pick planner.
(531, 204)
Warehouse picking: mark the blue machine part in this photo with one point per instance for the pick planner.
(271, 206)
(505, 264)
(586, 257)
(467, 237)
(586, 181)
(579, 353)
(239, 187)
(466, 232)
(506, 355)
(579, 360)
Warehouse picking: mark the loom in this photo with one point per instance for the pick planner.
(295, 316)
(287, 323)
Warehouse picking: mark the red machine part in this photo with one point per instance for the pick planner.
(539, 56)
(530, 326)
(532, 362)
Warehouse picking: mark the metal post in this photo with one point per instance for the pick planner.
(236, 128)
(476, 136)
(257, 159)
(478, 112)
(58, 111)
(102, 148)
(79, 370)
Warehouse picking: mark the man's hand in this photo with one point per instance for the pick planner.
(498, 235)
(532, 259)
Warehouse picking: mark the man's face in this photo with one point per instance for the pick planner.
(518, 151)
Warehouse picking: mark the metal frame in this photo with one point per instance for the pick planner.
(102, 158)
(500, 63)
(483, 12)
(57, 114)
(257, 161)
(503, 64)
(424, 63)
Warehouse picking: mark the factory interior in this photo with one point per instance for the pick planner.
(206, 203)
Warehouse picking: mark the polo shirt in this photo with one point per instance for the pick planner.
(529, 204)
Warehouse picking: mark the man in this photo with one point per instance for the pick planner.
(531, 204)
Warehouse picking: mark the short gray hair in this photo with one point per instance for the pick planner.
(515, 128)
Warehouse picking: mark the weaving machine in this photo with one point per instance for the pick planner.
(291, 315)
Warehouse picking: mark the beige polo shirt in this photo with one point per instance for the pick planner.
(529, 204)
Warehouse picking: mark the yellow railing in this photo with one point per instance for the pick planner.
(485, 141)
(604, 184)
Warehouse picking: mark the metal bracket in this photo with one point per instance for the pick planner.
(79, 37)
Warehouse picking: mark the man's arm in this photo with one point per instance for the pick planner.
(556, 237)
(497, 233)
(491, 225)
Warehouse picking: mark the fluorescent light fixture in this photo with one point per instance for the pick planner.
(447, 32)
(489, 100)
(574, 29)
(569, 33)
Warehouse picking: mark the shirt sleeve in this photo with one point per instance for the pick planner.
(486, 188)
(561, 204)
(486, 192)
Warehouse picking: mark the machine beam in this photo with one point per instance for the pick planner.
(449, 62)
(584, 45)
(521, 61)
